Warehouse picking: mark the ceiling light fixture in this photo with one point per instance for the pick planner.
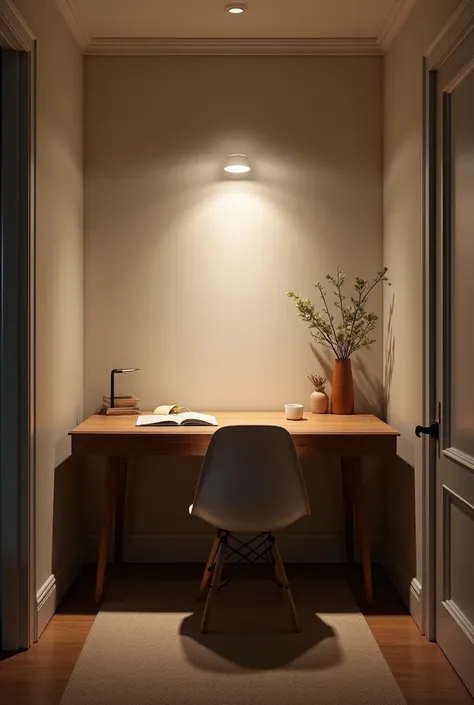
(236, 8)
(237, 164)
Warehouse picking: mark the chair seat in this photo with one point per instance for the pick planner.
(251, 481)
(251, 524)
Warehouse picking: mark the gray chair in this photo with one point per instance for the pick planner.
(250, 483)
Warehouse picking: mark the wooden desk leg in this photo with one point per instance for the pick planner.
(361, 522)
(112, 484)
(120, 468)
(347, 493)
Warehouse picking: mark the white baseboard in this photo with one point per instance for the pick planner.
(194, 548)
(55, 587)
(45, 604)
(416, 605)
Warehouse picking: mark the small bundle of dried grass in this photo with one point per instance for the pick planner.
(318, 381)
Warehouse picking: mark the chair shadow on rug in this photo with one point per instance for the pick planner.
(259, 636)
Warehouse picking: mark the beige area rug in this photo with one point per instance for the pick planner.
(145, 648)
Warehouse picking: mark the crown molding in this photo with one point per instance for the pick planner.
(232, 47)
(71, 14)
(460, 24)
(394, 22)
(163, 46)
(14, 28)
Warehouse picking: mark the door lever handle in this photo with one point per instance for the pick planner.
(432, 430)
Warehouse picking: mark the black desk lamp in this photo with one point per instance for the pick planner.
(112, 382)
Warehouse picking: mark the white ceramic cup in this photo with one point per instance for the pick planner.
(294, 412)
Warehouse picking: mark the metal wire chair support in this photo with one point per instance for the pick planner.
(247, 553)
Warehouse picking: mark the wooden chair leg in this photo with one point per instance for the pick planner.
(276, 574)
(281, 574)
(208, 569)
(215, 582)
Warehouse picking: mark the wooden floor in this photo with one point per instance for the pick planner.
(39, 676)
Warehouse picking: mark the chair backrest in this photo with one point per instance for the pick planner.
(251, 480)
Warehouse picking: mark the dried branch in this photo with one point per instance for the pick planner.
(352, 332)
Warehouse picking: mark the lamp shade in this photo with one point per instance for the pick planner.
(237, 164)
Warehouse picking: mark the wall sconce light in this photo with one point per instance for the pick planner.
(237, 164)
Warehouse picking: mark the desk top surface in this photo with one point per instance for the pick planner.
(311, 424)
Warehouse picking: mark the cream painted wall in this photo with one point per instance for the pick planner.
(403, 204)
(186, 270)
(59, 268)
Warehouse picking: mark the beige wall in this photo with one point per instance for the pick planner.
(403, 203)
(59, 311)
(186, 271)
(175, 253)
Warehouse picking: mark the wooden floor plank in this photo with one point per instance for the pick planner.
(40, 675)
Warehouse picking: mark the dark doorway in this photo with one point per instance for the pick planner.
(16, 349)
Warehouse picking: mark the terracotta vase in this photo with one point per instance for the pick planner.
(342, 396)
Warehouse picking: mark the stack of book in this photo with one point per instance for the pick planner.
(122, 406)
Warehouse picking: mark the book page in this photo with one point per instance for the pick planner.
(156, 420)
(191, 417)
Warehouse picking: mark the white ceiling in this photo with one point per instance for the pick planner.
(374, 20)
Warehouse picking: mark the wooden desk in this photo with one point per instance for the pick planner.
(350, 437)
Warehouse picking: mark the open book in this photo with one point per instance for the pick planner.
(188, 418)
(168, 409)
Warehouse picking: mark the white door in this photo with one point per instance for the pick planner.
(455, 359)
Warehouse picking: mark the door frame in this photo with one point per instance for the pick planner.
(17, 513)
(455, 31)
